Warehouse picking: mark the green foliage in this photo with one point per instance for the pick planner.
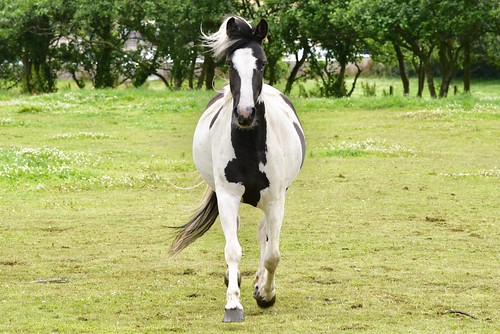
(10, 75)
(26, 36)
(368, 89)
(437, 33)
(29, 109)
(110, 42)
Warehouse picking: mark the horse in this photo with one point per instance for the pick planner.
(248, 146)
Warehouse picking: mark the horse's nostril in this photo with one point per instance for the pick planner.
(245, 121)
(253, 112)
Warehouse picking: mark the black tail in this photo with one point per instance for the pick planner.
(201, 221)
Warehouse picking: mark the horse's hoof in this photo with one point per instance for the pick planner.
(234, 315)
(226, 279)
(261, 302)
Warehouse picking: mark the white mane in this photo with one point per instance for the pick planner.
(219, 42)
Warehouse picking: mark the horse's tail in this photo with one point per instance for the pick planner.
(201, 221)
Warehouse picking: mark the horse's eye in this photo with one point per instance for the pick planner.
(229, 64)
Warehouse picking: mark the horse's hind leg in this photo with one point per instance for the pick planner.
(269, 234)
(228, 212)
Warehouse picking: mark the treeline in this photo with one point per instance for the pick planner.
(112, 41)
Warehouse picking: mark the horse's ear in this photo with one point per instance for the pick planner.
(261, 30)
(231, 27)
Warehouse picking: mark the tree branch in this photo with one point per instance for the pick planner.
(461, 313)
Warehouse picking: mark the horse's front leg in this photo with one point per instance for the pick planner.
(262, 237)
(228, 213)
(269, 234)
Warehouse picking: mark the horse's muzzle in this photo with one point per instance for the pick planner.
(245, 116)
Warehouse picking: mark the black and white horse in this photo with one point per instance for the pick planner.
(248, 146)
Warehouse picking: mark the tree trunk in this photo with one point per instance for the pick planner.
(419, 68)
(209, 73)
(178, 72)
(163, 79)
(355, 80)
(201, 78)
(448, 58)
(445, 67)
(340, 90)
(424, 68)
(26, 76)
(192, 69)
(79, 82)
(430, 78)
(103, 75)
(271, 70)
(295, 70)
(467, 66)
(38, 75)
(402, 69)
(178, 82)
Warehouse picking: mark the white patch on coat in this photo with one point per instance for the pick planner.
(244, 62)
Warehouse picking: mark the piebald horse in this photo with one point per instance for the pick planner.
(248, 146)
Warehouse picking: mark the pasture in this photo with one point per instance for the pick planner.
(392, 226)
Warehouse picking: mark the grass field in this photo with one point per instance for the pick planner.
(391, 227)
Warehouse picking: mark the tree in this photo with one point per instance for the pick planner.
(170, 38)
(288, 34)
(461, 24)
(445, 31)
(340, 44)
(27, 36)
(376, 21)
(408, 25)
(97, 40)
(479, 35)
(116, 40)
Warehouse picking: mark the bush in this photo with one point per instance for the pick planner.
(368, 90)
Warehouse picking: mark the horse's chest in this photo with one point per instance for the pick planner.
(250, 153)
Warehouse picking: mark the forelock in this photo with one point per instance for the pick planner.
(223, 44)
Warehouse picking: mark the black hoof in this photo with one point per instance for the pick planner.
(234, 315)
(226, 279)
(261, 302)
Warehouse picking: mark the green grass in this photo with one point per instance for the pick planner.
(391, 227)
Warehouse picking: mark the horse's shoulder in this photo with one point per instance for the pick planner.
(275, 99)
(272, 94)
(215, 98)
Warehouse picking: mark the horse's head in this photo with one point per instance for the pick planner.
(240, 44)
(246, 69)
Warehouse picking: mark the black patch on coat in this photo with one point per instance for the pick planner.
(302, 141)
(298, 127)
(287, 101)
(250, 149)
(215, 118)
(214, 98)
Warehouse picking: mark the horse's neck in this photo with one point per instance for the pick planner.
(252, 141)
